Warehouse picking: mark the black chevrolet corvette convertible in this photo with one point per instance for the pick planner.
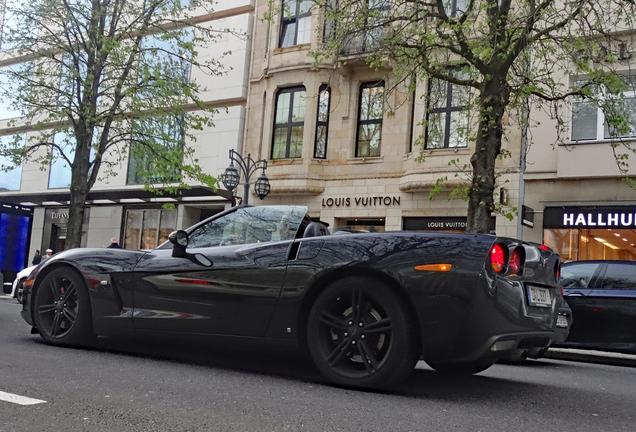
(365, 306)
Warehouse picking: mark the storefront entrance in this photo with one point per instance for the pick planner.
(591, 233)
(360, 225)
(55, 226)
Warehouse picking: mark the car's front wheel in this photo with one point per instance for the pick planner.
(359, 334)
(61, 308)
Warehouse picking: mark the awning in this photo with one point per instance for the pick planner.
(119, 196)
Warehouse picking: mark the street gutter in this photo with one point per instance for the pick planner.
(591, 356)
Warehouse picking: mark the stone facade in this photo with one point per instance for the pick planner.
(342, 187)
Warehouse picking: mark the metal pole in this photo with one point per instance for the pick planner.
(246, 191)
(522, 158)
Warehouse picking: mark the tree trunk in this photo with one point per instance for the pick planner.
(493, 100)
(79, 190)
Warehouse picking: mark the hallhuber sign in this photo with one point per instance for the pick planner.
(589, 217)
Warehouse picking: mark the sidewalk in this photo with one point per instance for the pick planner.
(591, 356)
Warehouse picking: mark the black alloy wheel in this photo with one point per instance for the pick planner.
(359, 334)
(61, 309)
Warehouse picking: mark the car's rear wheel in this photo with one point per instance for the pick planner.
(61, 308)
(461, 368)
(359, 334)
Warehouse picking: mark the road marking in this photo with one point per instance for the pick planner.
(20, 400)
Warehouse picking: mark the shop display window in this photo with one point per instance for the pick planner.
(592, 244)
(148, 228)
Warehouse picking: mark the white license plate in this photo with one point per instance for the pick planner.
(562, 321)
(539, 296)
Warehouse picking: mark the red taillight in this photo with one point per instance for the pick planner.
(544, 248)
(516, 261)
(498, 258)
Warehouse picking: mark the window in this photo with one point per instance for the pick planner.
(156, 150)
(295, 25)
(248, 225)
(455, 8)
(374, 13)
(7, 97)
(8, 21)
(322, 122)
(447, 115)
(590, 122)
(370, 113)
(60, 170)
(10, 179)
(578, 276)
(165, 56)
(289, 123)
(148, 228)
(620, 276)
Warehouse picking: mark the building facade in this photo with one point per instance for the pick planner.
(342, 142)
(119, 206)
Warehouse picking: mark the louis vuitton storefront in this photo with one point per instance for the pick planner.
(590, 233)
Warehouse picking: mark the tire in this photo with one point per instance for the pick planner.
(461, 368)
(359, 334)
(61, 308)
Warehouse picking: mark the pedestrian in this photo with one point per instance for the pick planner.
(114, 244)
(37, 258)
(49, 254)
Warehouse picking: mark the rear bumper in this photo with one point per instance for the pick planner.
(488, 318)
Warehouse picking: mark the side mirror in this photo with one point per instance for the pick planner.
(179, 240)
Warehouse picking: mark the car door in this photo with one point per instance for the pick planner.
(578, 280)
(229, 283)
(615, 302)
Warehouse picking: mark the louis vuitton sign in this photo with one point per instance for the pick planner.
(376, 201)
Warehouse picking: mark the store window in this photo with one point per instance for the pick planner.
(289, 123)
(148, 228)
(322, 122)
(295, 24)
(589, 121)
(591, 233)
(370, 114)
(10, 179)
(447, 115)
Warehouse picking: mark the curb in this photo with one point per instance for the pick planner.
(591, 356)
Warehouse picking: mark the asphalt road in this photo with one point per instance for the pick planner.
(153, 386)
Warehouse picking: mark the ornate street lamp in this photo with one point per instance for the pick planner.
(248, 166)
